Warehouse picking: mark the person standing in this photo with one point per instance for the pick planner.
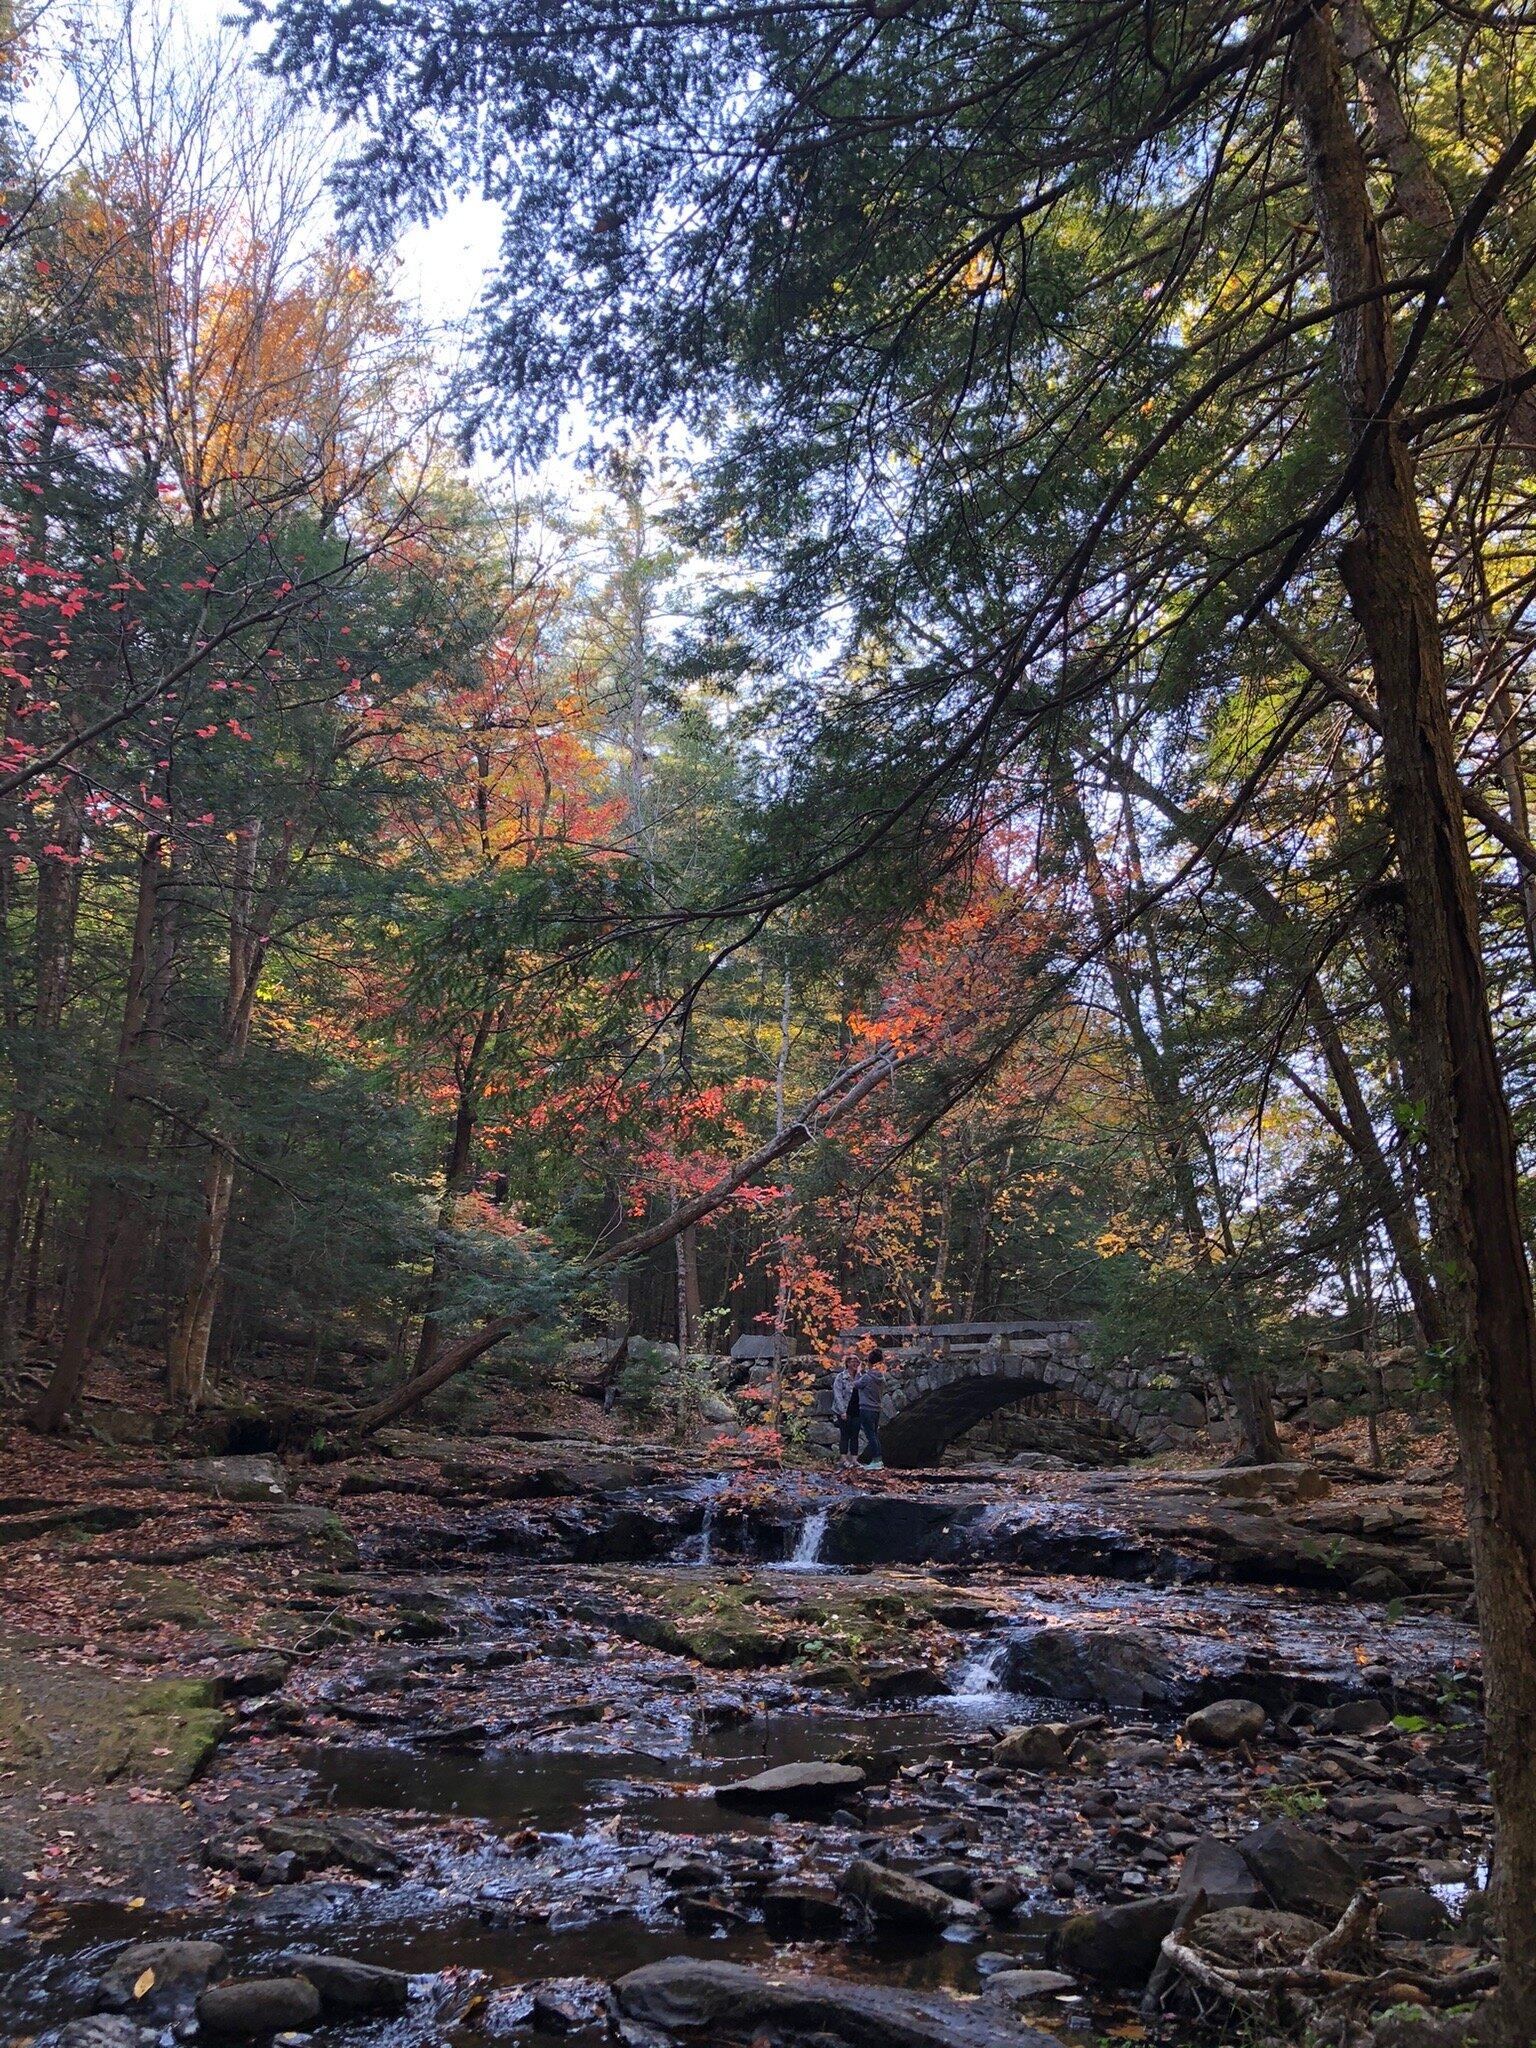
(868, 1388)
(845, 1407)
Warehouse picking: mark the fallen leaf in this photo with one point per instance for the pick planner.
(144, 1983)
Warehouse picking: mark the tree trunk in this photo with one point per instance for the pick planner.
(57, 913)
(1474, 1188)
(458, 1175)
(1252, 1399)
(188, 1357)
(82, 1292)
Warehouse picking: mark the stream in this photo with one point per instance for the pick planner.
(526, 1806)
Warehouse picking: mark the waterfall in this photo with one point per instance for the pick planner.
(700, 1549)
(806, 1554)
(977, 1677)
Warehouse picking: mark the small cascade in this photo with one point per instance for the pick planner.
(806, 1555)
(979, 1677)
(700, 1549)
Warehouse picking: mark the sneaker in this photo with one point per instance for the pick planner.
(875, 1465)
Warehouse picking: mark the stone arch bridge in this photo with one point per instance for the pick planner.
(942, 1380)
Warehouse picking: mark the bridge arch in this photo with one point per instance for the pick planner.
(943, 1380)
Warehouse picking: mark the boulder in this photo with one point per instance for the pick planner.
(325, 1844)
(796, 1911)
(887, 1529)
(1413, 1911)
(1037, 1746)
(895, 1682)
(256, 2008)
(906, 1901)
(789, 1786)
(178, 1970)
(349, 1989)
(1354, 1717)
(1299, 1870)
(1214, 1867)
(728, 2002)
(1252, 1936)
(1118, 1944)
(242, 1479)
(1117, 1667)
(1379, 1583)
(1226, 1723)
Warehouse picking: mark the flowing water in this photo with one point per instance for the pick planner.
(539, 1772)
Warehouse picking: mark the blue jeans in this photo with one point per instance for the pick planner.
(869, 1424)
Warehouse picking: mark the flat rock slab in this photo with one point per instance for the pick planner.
(240, 1478)
(727, 2002)
(794, 1785)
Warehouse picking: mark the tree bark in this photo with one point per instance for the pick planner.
(57, 913)
(458, 1175)
(188, 1360)
(82, 1294)
(1474, 1192)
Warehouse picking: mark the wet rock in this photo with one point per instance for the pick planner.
(998, 1895)
(1413, 1911)
(1299, 1870)
(178, 1971)
(902, 1682)
(256, 2008)
(568, 2005)
(905, 1901)
(958, 1879)
(881, 1529)
(254, 1677)
(789, 1786)
(1224, 1724)
(1022, 1987)
(1216, 1868)
(1117, 1667)
(1037, 1746)
(1379, 1583)
(1118, 1944)
(103, 2030)
(350, 1989)
(1254, 1935)
(324, 1845)
(726, 2001)
(681, 1871)
(1354, 1717)
(797, 1911)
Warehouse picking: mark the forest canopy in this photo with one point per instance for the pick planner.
(995, 782)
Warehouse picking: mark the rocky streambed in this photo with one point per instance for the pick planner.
(520, 1746)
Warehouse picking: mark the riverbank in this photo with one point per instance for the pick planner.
(464, 1716)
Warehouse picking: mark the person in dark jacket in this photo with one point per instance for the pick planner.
(868, 1390)
(845, 1407)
